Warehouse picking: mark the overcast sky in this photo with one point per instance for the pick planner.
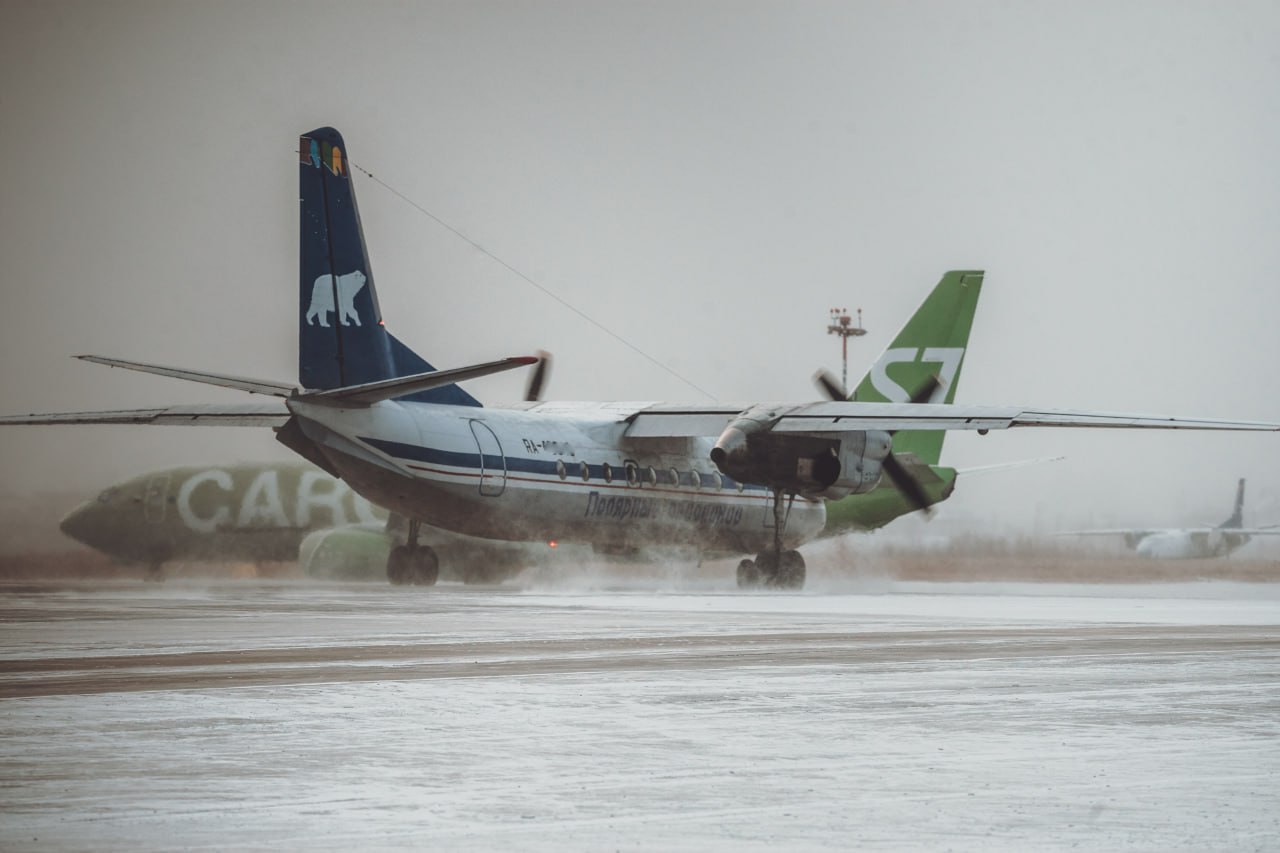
(705, 179)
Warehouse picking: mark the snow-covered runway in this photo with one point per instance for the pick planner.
(255, 714)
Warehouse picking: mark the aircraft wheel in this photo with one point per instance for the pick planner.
(425, 567)
(748, 575)
(767, 566)
(399, 565)
(791, 571)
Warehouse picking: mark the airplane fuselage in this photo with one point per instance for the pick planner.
(1187, 545)
(244, 511)
(567, 473)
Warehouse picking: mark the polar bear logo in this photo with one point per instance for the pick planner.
(322, 298)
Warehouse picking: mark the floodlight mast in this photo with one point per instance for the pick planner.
(842, 325)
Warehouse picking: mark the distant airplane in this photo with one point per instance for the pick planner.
(737, 478)
(1189, 543)
(264, 512)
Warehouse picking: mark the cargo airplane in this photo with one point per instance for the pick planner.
(724, 478)
(274, 511)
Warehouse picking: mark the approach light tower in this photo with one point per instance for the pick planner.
(842, 325)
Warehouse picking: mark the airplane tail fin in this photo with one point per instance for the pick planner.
(932, 343)
(1237, 517)
(341, 337)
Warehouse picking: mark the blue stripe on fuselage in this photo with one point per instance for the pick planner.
(546, 467)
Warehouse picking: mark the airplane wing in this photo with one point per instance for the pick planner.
(665, 421)
(211, 414)
(1190, 531)
(659, 420)
(1118, 531)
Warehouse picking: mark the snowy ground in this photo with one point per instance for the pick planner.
(904, 716)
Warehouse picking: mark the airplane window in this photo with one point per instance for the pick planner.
(560, 469)
(717, 482)
(586, 472)
(741, 486)
(697, 479)
(652, 476)
(608, 472)
(633, 474)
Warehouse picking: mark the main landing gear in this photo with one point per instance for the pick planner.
(774, 567)
(412, 563)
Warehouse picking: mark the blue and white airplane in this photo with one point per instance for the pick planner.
(724, 479)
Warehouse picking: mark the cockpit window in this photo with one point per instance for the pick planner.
(108, 495)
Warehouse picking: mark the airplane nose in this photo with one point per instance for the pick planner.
(78, 524)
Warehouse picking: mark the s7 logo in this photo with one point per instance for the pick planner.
(947, 358)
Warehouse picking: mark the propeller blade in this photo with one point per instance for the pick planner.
(897, 472)
(925, 391)
(833, 389)
(538, 378)
(908, 485)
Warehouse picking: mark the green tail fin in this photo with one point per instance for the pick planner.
(931, 344)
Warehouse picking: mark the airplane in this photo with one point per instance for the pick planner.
(724, 478)
(278, 511)
(281, 511)
(264, 512)
(1189, 543)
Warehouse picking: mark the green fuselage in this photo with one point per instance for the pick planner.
(254, 512)
(884, 503)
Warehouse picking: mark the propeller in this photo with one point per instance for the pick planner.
(901, 478)
(833, 389)
(538, 378)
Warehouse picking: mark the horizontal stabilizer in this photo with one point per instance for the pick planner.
(1005, 466)
(210, 414)
(253, 386)
(387, 389)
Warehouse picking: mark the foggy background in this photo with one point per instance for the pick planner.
(706, 179)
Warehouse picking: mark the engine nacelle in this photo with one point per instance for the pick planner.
(828, 466)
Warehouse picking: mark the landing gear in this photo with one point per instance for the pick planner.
(791, 571)
(768, 570)
(413, 563)
(774, 568)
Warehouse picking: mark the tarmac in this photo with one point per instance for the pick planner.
(248, 714)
